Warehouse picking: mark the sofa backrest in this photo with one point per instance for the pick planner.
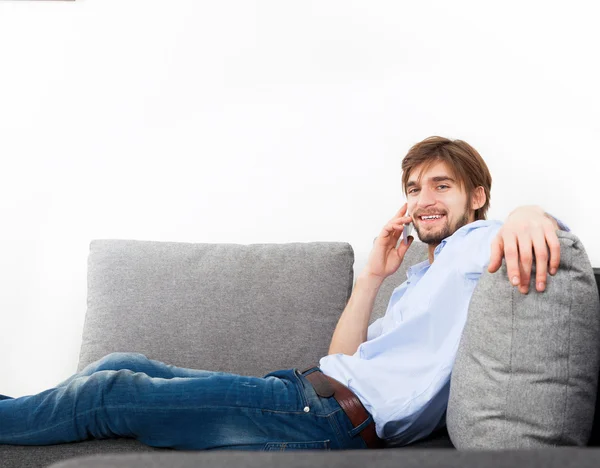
(245, 309)
(526, 370)
(595, 436)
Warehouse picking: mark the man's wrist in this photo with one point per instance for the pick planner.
(369, 280)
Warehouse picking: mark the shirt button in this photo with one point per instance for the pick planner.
(306, 409)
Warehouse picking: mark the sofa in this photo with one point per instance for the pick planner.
(252, 309)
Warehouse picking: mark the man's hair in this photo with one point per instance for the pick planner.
(464, 161)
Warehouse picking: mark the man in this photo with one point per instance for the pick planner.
(388, 381)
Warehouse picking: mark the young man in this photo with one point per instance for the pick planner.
(388, 381)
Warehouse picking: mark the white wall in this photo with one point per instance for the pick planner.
(265, 121)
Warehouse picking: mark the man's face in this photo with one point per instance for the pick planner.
(438, 204)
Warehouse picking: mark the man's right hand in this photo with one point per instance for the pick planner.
(385, 258)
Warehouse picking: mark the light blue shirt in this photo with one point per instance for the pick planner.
(401, 373)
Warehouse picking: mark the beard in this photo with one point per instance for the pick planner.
(436, 236)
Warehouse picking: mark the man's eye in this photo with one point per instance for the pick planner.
(443, 186)
(414, 190)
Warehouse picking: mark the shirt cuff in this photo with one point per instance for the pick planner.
(562, 226)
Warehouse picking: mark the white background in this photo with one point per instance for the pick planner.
(264, 121)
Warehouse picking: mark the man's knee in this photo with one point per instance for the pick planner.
(120, 360)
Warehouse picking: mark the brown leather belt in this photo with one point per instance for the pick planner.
(326, 386)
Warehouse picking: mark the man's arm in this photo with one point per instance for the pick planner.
(528, 230)
(351, 329)
(384, 260)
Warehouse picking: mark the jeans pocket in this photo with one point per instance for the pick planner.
(284, 446)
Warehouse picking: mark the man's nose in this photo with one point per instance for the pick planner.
(426, 198)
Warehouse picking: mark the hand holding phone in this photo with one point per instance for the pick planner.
(407, 232)
(388, 250)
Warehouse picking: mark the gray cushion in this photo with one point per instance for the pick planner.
(553, 458)
(246, 309)
(526, 370)
(24, 456)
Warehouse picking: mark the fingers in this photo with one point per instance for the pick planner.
(391, 232)
(393, 229)
(545, 246)
(525, 248)
(402, 211)
(497, 254)
(511, 255)
(522, 288)
(526, 234)
(541, 263)
(519, 253)
(554, 247)
(395, 226)
(547, 256)
(402, 248)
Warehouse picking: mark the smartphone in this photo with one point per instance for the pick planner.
(407, 231)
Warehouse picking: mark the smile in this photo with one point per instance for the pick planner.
(430, 219)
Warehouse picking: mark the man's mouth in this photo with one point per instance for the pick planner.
(431, 219)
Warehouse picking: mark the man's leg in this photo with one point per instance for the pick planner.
(214, 410)
(137, 363)
(131, 361)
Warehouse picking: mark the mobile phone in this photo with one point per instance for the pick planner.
(407, 231)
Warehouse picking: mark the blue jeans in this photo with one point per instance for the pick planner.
(129, 395)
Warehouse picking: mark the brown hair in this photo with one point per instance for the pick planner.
(464, 161)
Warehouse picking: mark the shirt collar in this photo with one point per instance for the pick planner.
(416, 269)
(461, 232)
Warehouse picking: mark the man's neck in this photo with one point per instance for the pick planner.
(432, 247)
(431, 250)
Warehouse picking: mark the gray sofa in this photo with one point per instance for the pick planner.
(252, 309)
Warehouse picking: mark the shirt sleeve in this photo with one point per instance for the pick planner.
(374, 329)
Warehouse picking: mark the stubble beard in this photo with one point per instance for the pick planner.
(435, 237)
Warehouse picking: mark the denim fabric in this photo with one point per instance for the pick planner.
(129, 395)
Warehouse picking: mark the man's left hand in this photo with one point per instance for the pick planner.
(527, 231)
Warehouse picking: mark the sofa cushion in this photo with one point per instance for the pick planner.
(38, 456)
(246, 309)
(526, 371)
(547, 458)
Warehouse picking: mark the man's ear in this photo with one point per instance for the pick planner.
(478, 198)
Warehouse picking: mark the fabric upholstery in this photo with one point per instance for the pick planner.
(23, 456)
(548, 458)
(527, 366)
(245, 309)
